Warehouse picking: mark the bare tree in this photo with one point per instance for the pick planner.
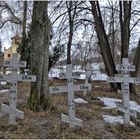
(125, 16)
(103, 41)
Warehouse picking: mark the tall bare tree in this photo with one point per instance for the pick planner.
(103, 41)
(22, 46)
(125, 16)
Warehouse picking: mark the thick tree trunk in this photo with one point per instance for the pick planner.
(103, 41)
(44, 99)
(125, 27)
(39, 55)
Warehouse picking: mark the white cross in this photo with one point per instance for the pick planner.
(71, 105)
(88, 75)
(14, 77)
(125, 68)
(62, 89)
(70, 88)
(75, 75)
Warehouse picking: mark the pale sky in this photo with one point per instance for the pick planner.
(7, 32)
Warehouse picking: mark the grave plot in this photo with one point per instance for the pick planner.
(70, 88)
(125, 80)
(47, 124)
(14, 64)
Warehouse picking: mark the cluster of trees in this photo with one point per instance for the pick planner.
(56, 25)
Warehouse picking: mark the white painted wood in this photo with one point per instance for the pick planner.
(70, 88)
(88, 75)
(125, 68)
(18, 77)
(73, 121)
(14, 62)
(62, 89)
(14, 77)
(71, 104)
(74, 75)
(121, 108)
(2, 114)
(13, 113)
(9, 63)
(122, 80)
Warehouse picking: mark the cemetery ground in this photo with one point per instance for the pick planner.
(48, 124)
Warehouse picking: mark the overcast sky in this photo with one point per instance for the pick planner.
(8, 31)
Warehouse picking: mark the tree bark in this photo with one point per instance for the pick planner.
(45, 99)
(71, 20)
(103, 42)
(125, 16)
(136, 61)
(24, 19)
(23, 42)
(39, 55)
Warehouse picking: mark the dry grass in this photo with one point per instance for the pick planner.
(47, 124)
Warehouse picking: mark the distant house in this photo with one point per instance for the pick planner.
(16, 40)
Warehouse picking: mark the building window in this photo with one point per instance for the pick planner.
(9, 55)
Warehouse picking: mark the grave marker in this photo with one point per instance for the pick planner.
(88, 75)
(75, 75)
(62, 89)
(71, 105)
(70, 88)
(125, 68)
(14, 77)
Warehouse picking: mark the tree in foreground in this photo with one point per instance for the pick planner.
(40, 33)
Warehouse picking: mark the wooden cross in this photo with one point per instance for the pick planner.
(70, 88)
(75, 75)
(125, 68)
(62, 89)
(88, 75)
(14, 77)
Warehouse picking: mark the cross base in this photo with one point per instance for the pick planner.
(13, 113)
(72, 122)
(2, 114)
(123, 109)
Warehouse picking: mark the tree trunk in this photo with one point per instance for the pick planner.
(71, 20)
(125, 16)
(24, 19)
(136, 61)
(22, 49)
(103, 42)
(45, 99)
(125, 27)
(39, 56)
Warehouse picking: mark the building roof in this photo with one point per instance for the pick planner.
(16, 37)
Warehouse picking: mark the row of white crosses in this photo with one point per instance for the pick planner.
(75, 75)
(14, 64)
(70, 88)
(125, 80)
